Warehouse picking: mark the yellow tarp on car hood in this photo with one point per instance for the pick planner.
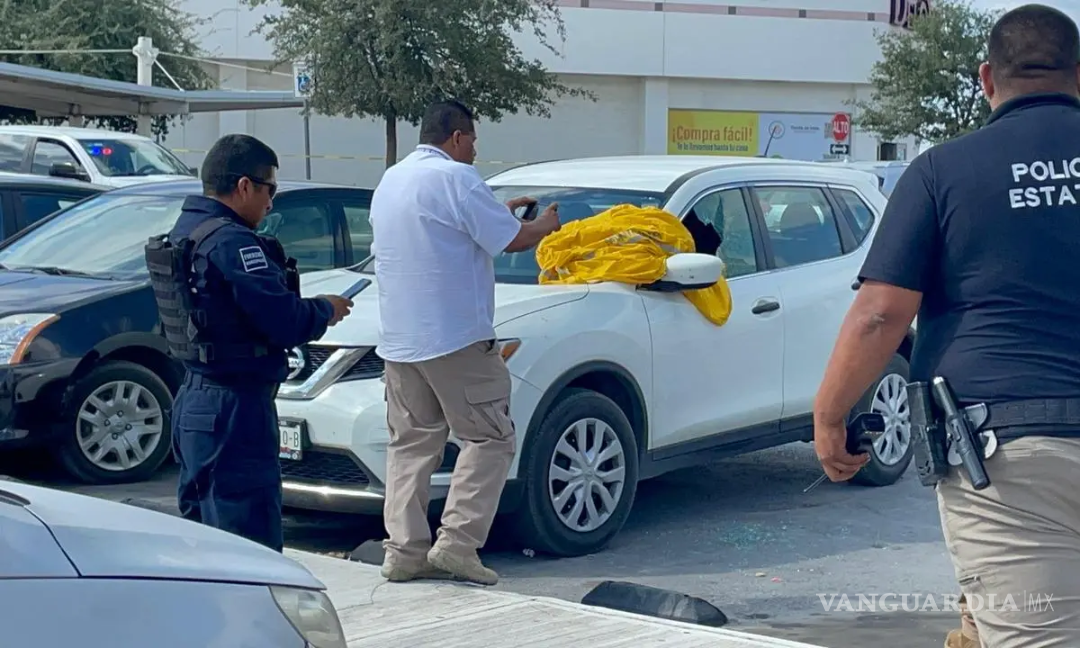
(626, 244)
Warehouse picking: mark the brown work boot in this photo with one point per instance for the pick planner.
(396, 573)
(956, 639)
(468, 568)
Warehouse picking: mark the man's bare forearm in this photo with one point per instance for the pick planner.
(531, 233)
(868, 339)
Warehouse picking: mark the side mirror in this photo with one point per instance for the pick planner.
(194, 171)
(689, 271)
(68, 170)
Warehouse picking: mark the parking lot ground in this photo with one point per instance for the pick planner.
(740, 534)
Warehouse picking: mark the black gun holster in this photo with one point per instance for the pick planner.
(931, 445)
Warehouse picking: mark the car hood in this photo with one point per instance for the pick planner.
(105, 539)
(361, 327)
(22, 292)
(129, 181)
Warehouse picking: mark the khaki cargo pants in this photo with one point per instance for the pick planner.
(1015, 545)
(467, 391)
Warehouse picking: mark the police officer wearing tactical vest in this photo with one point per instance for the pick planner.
(981, 239)
(230, 307)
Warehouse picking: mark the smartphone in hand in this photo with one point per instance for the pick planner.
(531, 210)
(355, 289)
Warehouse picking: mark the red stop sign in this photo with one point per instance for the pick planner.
(841, 127)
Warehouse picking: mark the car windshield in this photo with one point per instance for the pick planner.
(100, 237)
(574, 204)
(132, 157)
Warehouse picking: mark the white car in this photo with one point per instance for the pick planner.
(101, 157)
(69, 563)
(614, 383)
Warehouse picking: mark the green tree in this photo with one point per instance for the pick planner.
(387, 59)
(927, 81)
(101, 25)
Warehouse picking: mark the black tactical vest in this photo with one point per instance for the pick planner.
(174, 288)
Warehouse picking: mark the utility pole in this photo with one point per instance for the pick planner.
(147, 55)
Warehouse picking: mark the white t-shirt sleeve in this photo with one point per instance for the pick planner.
(489, 222)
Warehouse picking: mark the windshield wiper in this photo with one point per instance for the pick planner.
(61, 272)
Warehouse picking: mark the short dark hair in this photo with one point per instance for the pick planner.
(233, 157)
(1034, 42)
(441, 119)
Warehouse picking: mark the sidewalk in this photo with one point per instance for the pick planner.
(378, 614)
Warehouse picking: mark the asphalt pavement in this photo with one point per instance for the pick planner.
(740, 533)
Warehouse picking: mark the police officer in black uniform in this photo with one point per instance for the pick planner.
(232, 330)
(981, 239)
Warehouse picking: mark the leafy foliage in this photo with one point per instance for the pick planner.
(927, 81)
(389, 58)
(101, 25)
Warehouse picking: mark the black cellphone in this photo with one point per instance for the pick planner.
(355, 289)
(530, 211)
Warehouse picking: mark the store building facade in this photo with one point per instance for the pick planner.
(759, 77)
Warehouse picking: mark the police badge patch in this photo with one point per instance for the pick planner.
(253, 258)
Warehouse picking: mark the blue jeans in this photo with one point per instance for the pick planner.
(226, 441)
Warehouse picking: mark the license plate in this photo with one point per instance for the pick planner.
(292, 439)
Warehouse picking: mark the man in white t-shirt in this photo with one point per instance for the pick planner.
(437, 227)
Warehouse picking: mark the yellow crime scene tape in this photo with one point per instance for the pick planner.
(364, 158)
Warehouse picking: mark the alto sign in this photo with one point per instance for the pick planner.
(902, 11)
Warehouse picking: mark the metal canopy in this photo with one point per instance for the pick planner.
(60, 94)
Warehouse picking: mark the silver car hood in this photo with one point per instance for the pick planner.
(103, 539)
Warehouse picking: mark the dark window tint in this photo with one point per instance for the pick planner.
(46, 154)
(861, 213)
(306, 231)
(36, 206)
(357, 219)
(801, 225)
(720, 225)
(12, 152)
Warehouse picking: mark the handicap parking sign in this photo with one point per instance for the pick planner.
(304, 83)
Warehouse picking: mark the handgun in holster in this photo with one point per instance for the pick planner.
(929, 450)
(936, 422)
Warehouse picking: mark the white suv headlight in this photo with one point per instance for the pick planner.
(312, 614)
(18, 331)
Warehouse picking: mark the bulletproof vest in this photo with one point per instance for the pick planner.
(173, 282)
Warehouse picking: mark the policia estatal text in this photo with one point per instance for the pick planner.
(981, 239)
(230, 307)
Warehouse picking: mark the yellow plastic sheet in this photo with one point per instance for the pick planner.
(626, 244)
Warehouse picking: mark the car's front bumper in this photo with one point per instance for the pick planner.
(343, 465)
(26, 420)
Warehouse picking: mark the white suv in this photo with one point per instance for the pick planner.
(101, 157)
(614, 383)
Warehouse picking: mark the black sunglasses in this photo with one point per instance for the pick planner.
(271, 187)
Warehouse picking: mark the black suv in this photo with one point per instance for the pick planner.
(83, 363)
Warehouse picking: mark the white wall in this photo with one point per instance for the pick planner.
(801, 56)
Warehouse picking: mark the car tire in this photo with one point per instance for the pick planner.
(540, 525)
(137, 386)
(892, 453)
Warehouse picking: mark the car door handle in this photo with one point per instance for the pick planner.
(765, 306)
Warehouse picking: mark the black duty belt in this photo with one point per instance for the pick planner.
(1038, 411)
(1010, 418)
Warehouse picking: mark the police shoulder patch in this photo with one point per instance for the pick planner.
(253, 258)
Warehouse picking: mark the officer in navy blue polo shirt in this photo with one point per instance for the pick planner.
(981, 239)
(224, 422)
